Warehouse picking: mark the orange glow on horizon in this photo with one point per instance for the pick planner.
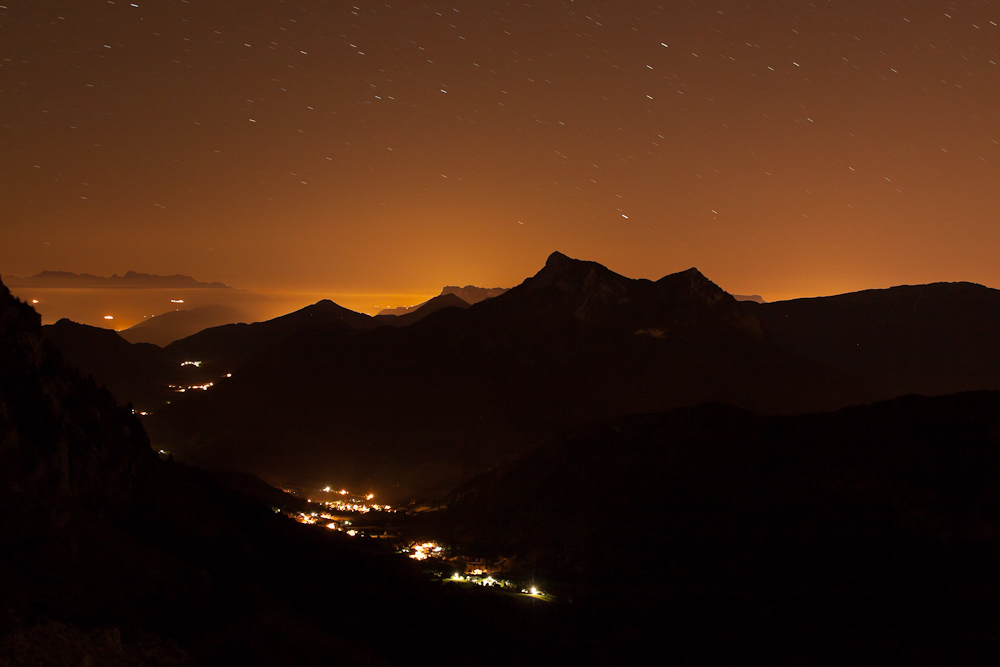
(858, 150)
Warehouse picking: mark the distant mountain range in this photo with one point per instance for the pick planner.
(132, 280)
(329, 394)
(470, 294)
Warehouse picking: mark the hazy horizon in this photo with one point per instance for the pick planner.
(133, 305)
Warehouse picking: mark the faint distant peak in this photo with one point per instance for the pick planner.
(131, 280)
(401, 317)
(472, 294)
(400, 310)
(469, 294)
(757, 298)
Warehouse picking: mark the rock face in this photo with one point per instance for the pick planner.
(63, 440)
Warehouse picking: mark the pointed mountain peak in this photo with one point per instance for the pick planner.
(567, 271)
(588, 290)
(472, 294)
(692, 273)
(326, 311)
(324, 303)
(326, 307)
(694, 283)
(558, 260)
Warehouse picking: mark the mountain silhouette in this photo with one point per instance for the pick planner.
(927, 339)
(418, 313)
(111, 555)
(326, 394)
(134, 373)
(176, 324)
(461, 389)
(472, 294)
(226, 348)
(469, 294)
(590, 405)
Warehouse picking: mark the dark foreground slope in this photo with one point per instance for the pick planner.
(927, 339)
(875, 525)
(137, 373)
(110, 556)
(63, 441)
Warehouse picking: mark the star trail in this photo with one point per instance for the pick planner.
(786, 149)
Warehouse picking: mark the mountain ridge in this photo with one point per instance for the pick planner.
(470, 294)
(179, 323)
(574, 343)
(131, 279)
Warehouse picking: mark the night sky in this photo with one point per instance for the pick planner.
(783, 148)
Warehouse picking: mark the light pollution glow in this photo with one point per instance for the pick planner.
(785, 150)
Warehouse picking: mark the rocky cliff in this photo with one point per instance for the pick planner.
(63, 440)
